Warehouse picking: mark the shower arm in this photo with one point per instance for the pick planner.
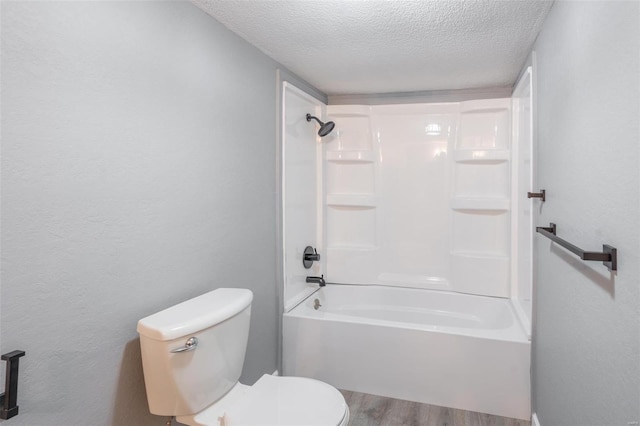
(309, 117)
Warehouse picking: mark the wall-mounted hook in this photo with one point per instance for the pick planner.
(541, 195)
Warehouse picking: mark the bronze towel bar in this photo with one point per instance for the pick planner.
(608, 256)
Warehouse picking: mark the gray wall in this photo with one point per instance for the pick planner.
(586, 354)
(138, 170)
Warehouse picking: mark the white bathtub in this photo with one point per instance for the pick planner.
(447, 349)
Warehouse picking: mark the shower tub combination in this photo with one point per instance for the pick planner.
(418, 220)
(440, 348)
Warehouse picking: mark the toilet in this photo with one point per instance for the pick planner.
(192, 357)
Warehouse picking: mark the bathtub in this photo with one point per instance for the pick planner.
(447, 349)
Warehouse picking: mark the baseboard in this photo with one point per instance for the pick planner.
(534, 420)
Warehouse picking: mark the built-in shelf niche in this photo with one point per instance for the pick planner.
(481, 202)
(350, 178)
(485, 232)
(351, 225)
(481, 179)
(484, 126)
(350, 194)
(352, 132)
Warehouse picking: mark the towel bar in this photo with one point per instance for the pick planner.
(608, 256)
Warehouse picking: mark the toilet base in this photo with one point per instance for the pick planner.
(275, 401)
(212, 415)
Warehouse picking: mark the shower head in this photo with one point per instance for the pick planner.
(325, 128)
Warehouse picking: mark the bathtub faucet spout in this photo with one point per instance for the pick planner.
(317, 280)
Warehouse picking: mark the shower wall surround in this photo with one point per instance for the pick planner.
(418, 195)
(301, 189)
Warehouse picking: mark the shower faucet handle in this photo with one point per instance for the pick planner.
(310, 255)
(314, 257)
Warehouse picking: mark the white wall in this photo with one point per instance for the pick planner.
(138, 170)
(586, 357)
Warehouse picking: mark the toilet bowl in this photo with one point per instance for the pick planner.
(192, 357)
(273, 400)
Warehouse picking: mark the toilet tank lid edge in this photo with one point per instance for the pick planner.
(195, 314)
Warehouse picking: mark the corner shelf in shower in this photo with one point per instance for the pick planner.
(352, 200)
(350, 156)
(480, 203)
(479, 156)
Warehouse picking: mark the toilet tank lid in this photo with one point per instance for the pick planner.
(195, 314)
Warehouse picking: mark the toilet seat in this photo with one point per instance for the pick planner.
(279, 401)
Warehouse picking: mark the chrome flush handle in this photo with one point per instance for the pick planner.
(190, 345)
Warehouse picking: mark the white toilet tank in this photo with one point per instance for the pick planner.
(185, 382)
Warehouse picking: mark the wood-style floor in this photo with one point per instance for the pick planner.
(371, 410)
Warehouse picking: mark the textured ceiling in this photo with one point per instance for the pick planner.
(363, 47)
